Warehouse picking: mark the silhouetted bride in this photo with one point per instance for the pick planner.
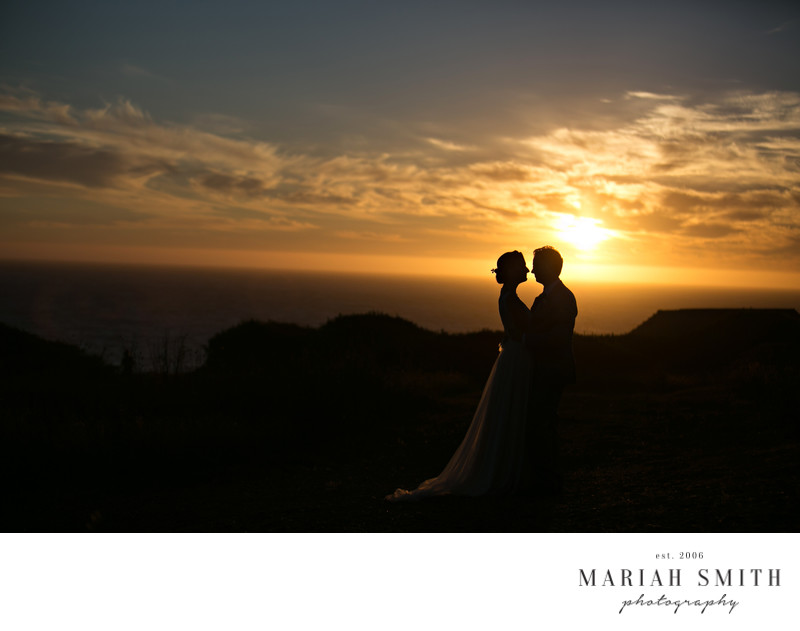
(491, 457)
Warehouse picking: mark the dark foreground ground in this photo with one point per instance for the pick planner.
(687, 424)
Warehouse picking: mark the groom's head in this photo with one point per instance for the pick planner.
(547, 263)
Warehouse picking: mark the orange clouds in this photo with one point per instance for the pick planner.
(675, 180)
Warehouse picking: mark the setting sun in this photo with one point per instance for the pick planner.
(582, 232)
(154, 160)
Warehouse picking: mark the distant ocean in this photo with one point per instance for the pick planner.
(105, 308)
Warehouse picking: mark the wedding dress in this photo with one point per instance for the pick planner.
(491, 457)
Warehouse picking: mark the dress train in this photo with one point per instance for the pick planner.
(491, 457)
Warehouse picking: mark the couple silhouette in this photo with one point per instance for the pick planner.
(511, 446)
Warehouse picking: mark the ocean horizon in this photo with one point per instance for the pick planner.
(105, 308)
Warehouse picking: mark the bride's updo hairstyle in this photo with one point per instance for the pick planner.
(505, 262)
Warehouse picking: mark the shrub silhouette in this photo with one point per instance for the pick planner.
(269, 393)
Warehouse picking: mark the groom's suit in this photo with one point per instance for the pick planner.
(549, 335)
(549, 341)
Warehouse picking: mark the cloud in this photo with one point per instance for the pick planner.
(371, 236)
(786, 26)
(220, 124)
(744, 215)
(447, 145)
(653, 96)
(503, 171)
(722, 170)
(132, 70)
(64, 161)
(242, 220)
(709, 230)
(248, 186)
(24, 103)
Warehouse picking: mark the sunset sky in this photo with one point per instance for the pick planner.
(656, 142)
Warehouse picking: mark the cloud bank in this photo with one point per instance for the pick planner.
(679, 181)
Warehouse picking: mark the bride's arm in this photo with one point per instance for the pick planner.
(520, 316)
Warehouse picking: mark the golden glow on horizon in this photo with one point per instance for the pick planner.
(680, 276)
(476, 268)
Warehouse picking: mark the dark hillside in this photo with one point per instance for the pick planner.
(702, 339)
(688, 423)
(23, 354)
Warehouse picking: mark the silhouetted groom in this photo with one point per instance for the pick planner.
(549, 340)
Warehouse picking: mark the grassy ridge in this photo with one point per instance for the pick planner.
(294, 428)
